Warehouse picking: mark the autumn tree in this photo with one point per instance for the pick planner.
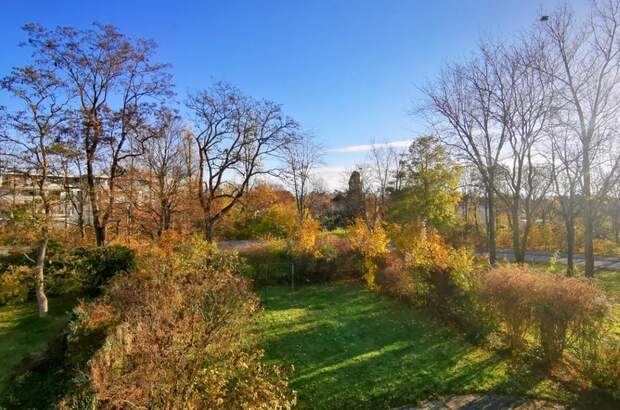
(236, 138)
(115, 82)
(164, 169)
(34, 129)
(429, 195)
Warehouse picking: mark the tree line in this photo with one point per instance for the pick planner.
(538, 118)
(95, 104)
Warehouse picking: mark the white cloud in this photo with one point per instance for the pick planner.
(369, 147)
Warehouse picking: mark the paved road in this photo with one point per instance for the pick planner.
(600, 262)
(239, 244)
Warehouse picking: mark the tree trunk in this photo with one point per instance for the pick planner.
(80, 224)
(209, 231)
(99, 233)
(588, 216)
(39, 274)
(491, 240)
(570, 244)
(92, 194)
(516, 235)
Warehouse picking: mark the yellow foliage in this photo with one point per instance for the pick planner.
(430, 252)
(371, 241)
(303, 239)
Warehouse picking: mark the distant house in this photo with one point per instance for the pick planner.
(66, 194)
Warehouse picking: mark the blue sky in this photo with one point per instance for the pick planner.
(348, 71)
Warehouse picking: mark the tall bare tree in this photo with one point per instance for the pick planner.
(460, 107)
(300, 157)
(165, 166)
(384, 163)
(583, 62)
(565, 156)
(523, 104)
(236, 137)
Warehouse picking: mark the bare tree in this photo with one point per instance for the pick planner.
(165, 164)
(384, 163)
(300, 158)
(34, 131)
(522, 103)
(74, 183)
(101, 66)
(236, 136)
(565, 156)
(460, 107)
(583, 62)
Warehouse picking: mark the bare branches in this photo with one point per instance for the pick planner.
(100, 67)
(236, 137)
(301, 156)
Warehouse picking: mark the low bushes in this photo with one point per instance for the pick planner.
(330, 257)
(599, 357)
(175, 335)
(507, 289)
(95, 266)
(268, 263)
(551, 311)
(432, 275)
(559, 311)
(83, 270)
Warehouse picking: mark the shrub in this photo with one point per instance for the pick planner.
(268, 262)
(564, 311)
(371, 243)
(507, 288)
(559, 311)
(334, 259)
(395, 280)
(605, 247)
(599, 359)
(95, 266)
(16, 283)
(176, 336)
(17, 274)
(438, 278)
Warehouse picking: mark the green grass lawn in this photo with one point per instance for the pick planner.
(610, 282)
(23, 333)
(351, 348)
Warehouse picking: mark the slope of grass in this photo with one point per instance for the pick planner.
(351, 348)
(23, 333)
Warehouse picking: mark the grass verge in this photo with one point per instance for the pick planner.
(350, 348)
(24, 334)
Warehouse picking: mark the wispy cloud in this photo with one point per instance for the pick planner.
(369, 147)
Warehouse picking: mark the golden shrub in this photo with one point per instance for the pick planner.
(177, 337)
(371, 242)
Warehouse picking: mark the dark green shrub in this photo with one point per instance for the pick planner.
(95, 266)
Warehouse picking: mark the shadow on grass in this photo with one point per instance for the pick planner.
(354, 349)
(34, 374)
